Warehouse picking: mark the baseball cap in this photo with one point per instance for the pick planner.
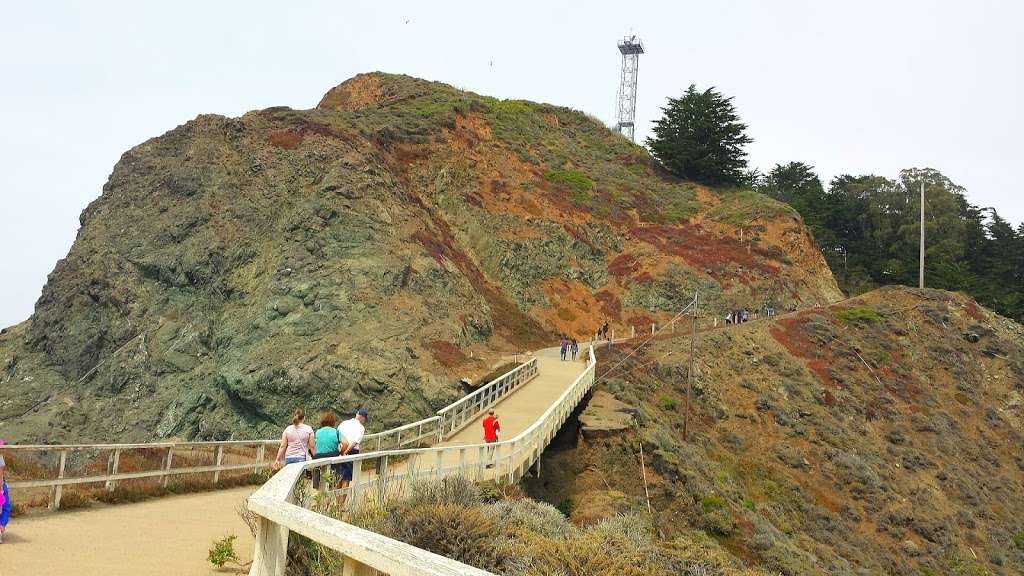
(364, 413)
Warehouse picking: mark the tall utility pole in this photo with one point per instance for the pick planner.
(920, 275)
(689, 372)
(631, 49)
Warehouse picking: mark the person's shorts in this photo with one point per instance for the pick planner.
(346, 467)
(294, 459)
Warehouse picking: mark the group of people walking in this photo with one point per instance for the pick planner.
(737, 316)
(300, 443)
(744, 315)
(568, 347)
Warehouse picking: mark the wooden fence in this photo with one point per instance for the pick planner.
(54, 467)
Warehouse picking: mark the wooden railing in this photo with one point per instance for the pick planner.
(453, 417)
(428, 431)
(460, 413)
(388, 473)
(226, 456)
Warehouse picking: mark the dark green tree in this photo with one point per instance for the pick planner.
(700, 138)
(868, 229)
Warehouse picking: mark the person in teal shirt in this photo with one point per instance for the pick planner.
(327, 440)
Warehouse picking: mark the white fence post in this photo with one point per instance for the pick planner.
(167, 467)
(357, 472)
(115, 461)
(260, 451)
(218, 460)
(271, 552)
(58, 490)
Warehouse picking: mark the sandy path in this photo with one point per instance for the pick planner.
(165, 536)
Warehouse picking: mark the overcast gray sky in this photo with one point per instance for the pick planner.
(850, 87)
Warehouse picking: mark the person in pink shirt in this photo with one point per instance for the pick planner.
(297, 441)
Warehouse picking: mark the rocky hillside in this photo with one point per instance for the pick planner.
(372, 250)
(881, 435)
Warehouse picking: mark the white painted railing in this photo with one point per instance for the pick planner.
(454, 416)
(388, 473)
(226, 456)
(460, 413)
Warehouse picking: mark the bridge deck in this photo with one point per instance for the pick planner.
(172, 535)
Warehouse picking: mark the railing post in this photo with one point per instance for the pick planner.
(58, 490)
(271, 552)
(218, 460)
(357, 472)
(167, 466)
(112, 465)
(260, 451)
(481, 463)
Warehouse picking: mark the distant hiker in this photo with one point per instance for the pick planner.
(564, 347)
(604, 330)
(491, 430)
(746, 315)
(728, 317)
(574, 348)
(5, 496)
(297, 441)
(352, 432)
(328, 439)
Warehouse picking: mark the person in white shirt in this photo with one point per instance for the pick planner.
(351, 432)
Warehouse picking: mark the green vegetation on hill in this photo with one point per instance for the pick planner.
(880, 436)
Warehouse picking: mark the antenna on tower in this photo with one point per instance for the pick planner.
(631, 48)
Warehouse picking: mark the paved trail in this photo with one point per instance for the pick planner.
(172, 535)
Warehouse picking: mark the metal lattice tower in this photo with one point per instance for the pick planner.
(631, 49)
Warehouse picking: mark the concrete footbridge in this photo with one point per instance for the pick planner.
(171, 535)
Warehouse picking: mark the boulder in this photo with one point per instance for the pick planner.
(605, 416)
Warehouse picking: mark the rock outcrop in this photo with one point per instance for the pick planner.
(368, 252)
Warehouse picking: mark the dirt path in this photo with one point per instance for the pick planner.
(169, 535)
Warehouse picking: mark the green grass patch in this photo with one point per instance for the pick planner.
(577, 181)
(864, 314)
(740, 207)
(1018, 539)
(712, 502)
(667, 403)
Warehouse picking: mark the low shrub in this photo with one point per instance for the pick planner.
(667, 403)
(712, 502)
(223, 551)
(576, 181)
(862, 314)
